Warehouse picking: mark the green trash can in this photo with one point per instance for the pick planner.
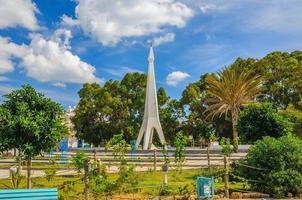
(133, 145)
(205, 187)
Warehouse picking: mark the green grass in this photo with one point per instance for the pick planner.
(149, 182)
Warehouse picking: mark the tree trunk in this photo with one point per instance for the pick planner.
(226, 176)
(235, 133)
(19, 162)
(28, 173)
(234, 124)
(208, 157)
(86, 179)
(94, 155)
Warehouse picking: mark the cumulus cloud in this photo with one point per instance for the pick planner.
(47, 60)
(18, 13)
(9, 50)
(176, 77)
(168, 37)
(110, 22)
(62, 36)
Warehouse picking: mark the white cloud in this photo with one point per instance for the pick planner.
(176, 77)
(168, 37)
(8, 50)
(252, 15)
(111, 22)
(120, 72)
(47, 60)
(3, 78)
(18, 13)
(58, 84)
(69, 21)
(62, 36)
(50, 61)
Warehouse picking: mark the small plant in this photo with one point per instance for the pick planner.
(119, 147)
(165, 190)
(127, 178)
(99, 183)
(180, 142)
(16, 179)
(184, 190)
(227, 147)
(50, 173)
(78, 160)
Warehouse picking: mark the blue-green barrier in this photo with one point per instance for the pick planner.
(29, 194)
(205, 187)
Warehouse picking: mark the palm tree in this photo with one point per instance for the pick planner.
(228, 91)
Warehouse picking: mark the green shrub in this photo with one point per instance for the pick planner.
(275, 166)
(50, 173)
(294, 115)
(127, 180)
(261, 119)
(78, 160)
(180, 142)
(227, 147)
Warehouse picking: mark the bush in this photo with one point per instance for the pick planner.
(78, 160)
(259, 120)
(275, 166)
(227, 148)
(50, 173)
(180, 143)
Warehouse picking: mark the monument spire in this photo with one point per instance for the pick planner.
(151, 117)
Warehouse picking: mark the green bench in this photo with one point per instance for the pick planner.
(30, 194)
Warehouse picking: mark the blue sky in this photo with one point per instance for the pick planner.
(57, 45)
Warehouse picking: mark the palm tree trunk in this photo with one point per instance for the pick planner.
(234, 124)
(235, 133)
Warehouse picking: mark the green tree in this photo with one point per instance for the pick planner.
(228, 91)
(30, 123)
(282, 76)
(294, 115)
(261, 119)
(117, 107)
(274, 165)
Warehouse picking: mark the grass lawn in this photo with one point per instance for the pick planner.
(149, 183)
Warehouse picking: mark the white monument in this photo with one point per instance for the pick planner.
(151, 117)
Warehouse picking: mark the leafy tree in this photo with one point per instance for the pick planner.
(193, 101)
(228, 91)
(294, 115)
(170, 114)
(30, 123)
(282, 76)
(117, 107)
(274, 165)
(86, 112)
(261, 119)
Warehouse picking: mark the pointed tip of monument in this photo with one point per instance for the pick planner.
(151, 54)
